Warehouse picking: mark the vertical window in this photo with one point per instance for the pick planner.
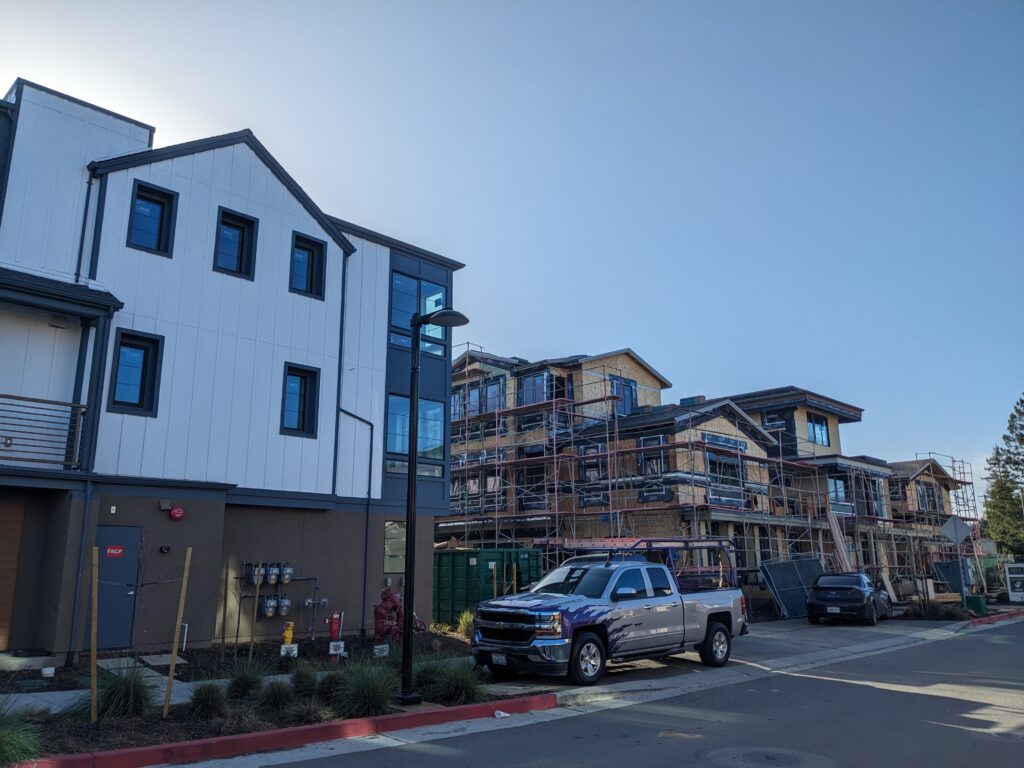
(394, 547)
(430, 438)
(837, 490)
(817, 429)
(408, 297)
(625, 391)
(135, 373)
(653, 462)
(235, 249)
(531, 389)
(308, 264)
(299, 400)
(151, 221)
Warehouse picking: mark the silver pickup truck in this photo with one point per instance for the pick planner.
(583, 614)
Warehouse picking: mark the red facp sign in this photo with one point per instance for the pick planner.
(115, 550)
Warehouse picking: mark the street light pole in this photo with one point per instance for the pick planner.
(446, 318)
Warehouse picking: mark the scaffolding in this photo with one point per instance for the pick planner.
(550, 463)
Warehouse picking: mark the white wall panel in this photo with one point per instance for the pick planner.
(227, 338)
(365, 366)
(37, 359)
(55, 140)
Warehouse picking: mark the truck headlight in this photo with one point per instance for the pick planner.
(549, 623)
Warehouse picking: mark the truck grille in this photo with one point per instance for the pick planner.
(506, 635)
(507, 617)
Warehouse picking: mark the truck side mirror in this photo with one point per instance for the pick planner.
(624, 593)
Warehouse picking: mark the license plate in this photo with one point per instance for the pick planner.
(499, 658)
(833, 609)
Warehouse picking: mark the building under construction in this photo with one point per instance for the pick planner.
(579, 453)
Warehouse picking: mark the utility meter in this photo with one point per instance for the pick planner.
(1015, 582)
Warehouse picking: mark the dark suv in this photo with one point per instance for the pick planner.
(849, 596)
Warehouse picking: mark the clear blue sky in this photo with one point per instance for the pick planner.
(826, 194)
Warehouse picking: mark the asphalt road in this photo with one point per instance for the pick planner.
(959, 702)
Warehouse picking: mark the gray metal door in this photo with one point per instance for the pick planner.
(119, 546)
(663, 622)
(627, 629)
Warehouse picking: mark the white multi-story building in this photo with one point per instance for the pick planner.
(193, 354)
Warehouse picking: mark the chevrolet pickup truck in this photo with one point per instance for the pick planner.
(584, 614)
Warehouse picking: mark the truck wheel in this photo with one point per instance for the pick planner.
(586, 663)
(872, 615)
(717, 645)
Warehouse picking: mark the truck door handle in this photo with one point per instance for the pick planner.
(648, 607)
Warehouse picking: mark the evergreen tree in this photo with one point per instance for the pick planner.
(1004, 505)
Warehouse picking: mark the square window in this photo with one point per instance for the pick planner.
(430, 436)
(300, 400)
(235, 249)
(306, 272)
(151, 221)
(135, 373)
(410, 296)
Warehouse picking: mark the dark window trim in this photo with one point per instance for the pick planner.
(319, 266)
(819, 421)
(312, 401)
(420, 461)
(248, 270)
(149, 410)
(171, 218)
(406, 331)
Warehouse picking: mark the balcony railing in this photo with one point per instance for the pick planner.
(39, 431)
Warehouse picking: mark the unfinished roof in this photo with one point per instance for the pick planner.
(520, 365)
(783, 397)
(683, 417)
(911, 470)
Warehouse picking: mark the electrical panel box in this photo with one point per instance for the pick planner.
(1015, 582)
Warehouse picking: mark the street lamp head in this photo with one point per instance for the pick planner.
(446, 318)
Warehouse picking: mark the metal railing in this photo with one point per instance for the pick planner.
(40, 431)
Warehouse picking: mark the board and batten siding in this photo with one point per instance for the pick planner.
(226, 339)
(37, 359)
(365, 366)
(55, 140)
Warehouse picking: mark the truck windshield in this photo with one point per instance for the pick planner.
(589, 582)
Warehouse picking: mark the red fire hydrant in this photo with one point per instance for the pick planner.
(387, 617)
(334, 622)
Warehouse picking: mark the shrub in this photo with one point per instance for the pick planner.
(244, 721)
(466, 624)
(246, 679)
(449, 682)
(328, 687)
(304, 680)
(19, 739)
(276, 696)
(307, 713)
(208, 702)
(123, 693)
(439, 628)
(364, 690)
(937, 612)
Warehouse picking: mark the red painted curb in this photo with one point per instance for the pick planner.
(995, 618)
(287, 738)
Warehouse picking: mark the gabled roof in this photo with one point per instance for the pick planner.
(665, 383)
(910, 470)
(781, 397)
(368, 234)
(683, 417)
(135, 159)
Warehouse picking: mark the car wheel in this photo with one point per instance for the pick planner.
(717, 645)
(587, 661)
(872, 617)
(499, 672)
(814, 619)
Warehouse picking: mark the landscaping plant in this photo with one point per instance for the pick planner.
(19, 740)
(363, 690)
(466, 624)
(304, 680)
(208, 702)
(307, 713)
(246, 679)
(276, 696)
(449, 682)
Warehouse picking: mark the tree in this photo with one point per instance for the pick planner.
(1004, 505)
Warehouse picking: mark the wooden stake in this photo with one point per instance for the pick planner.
(255, 605)
(177, 631)
(224, 610)
(93, 633)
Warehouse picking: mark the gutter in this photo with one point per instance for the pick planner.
(81, 237)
